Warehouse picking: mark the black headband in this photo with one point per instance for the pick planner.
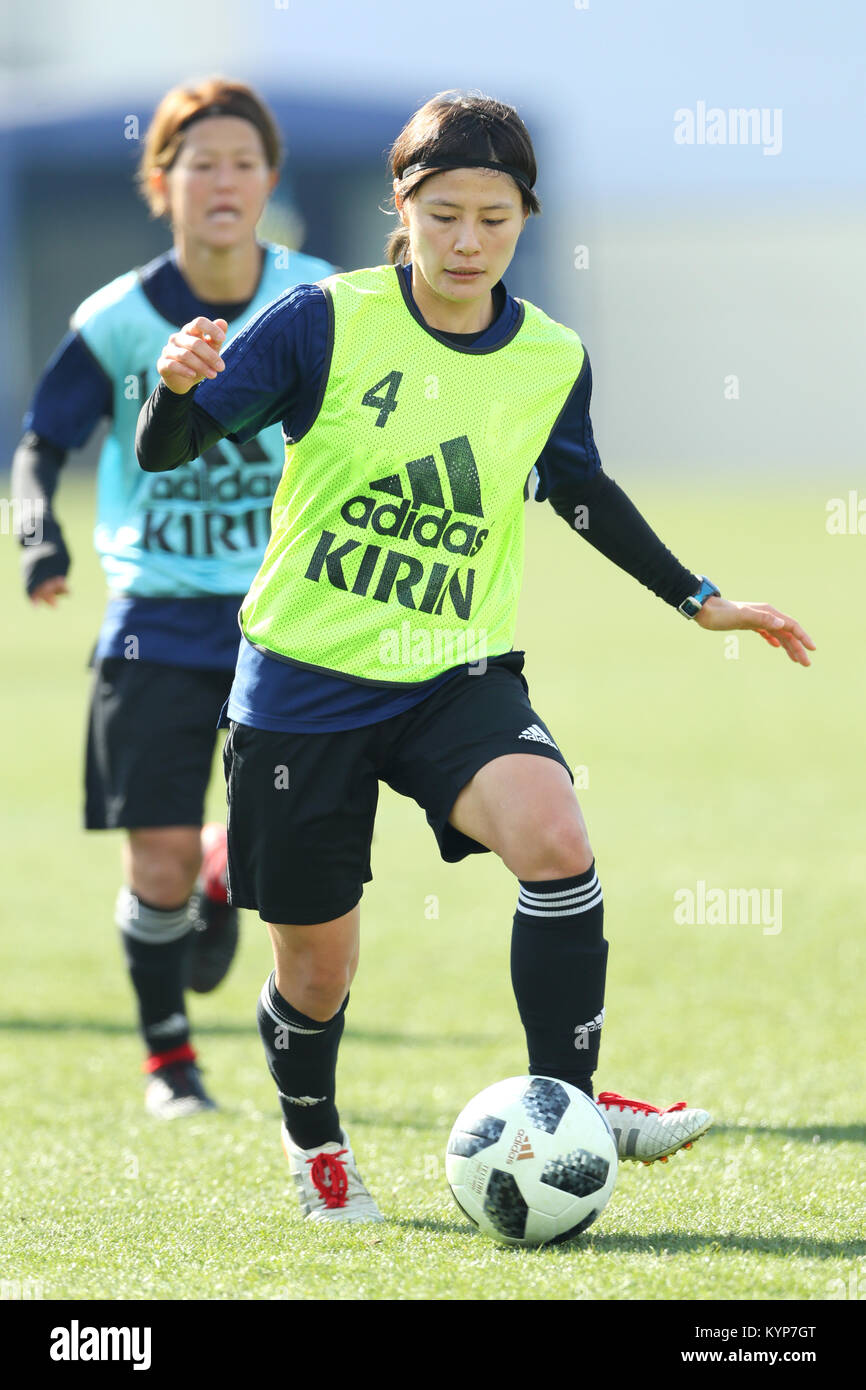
(468, 162)
(216, 108)
(224, 109)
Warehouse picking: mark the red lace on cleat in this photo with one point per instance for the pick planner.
(612, 1098)
(328, 1173)
(329, 1186)
(646, 1133)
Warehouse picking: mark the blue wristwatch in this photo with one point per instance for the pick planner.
(692, 606)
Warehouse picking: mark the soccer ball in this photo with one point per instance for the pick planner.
(531, 1160)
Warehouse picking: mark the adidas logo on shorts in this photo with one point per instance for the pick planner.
(535, 734)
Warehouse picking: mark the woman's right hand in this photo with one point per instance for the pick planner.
(48, 591)
(192, 354)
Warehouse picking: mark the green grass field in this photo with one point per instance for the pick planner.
(740, 770)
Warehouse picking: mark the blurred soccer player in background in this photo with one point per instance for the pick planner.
(178, 556)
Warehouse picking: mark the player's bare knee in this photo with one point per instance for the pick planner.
(162, 886)
(162, 866)
(314, 984)
(559, 848)
(320, 995)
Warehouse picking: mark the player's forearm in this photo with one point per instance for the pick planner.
(172, 430)
(600, 511)
(35, 470)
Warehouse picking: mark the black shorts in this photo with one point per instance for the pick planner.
(150, 743)
(302, 806)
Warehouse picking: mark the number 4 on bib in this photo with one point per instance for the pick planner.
(384, 403)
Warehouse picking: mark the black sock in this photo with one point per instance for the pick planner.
(558, 961)
(155, 943)
(302, 1058)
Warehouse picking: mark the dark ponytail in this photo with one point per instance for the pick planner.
(452, 125)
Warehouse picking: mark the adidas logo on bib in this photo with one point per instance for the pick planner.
(535, 734)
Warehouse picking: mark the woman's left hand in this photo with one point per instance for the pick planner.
(725, 615)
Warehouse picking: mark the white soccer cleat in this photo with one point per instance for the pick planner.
(328, 1182)
(644, 1133)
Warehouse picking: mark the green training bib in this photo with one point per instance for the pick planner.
(396, 547)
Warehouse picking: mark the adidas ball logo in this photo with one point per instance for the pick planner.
(520, 1148)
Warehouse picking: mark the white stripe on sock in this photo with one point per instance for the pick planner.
(569, 911)
(269, 1009)
(583, 888)
(156, 925)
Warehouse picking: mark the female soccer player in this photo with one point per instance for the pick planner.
(179, 554)
(415, 398)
